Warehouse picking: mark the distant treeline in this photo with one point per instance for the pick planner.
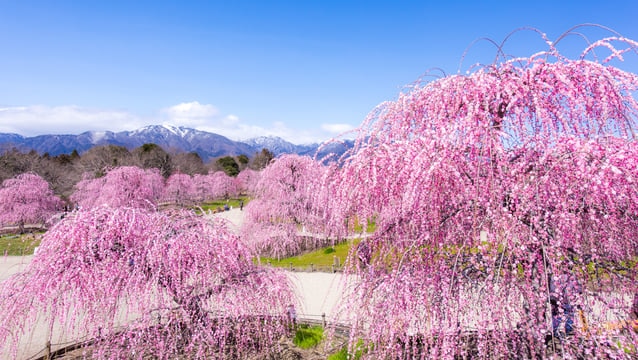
(65, 170)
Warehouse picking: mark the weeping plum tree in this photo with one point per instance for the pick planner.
(222, 185)
(247, 180)
(147, 285)
(202, 187)
(283, 207)
(121, 186)
(27, 198)
(179, 189)
(215, 185)
(484, 184)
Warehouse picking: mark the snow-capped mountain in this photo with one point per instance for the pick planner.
(278, 145)
(171, 138)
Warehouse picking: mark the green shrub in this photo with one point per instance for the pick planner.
(359, 350)
(308, 337)
(341, 355)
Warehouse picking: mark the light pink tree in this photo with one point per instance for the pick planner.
(147, 285)
(121, 186)
(247, 180)
(282, 219)
(222, 185)
(202, 187)
(482, 186)
(179, 189)
(215, 185)
(27, 198)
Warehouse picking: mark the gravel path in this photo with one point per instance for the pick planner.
(234, 217)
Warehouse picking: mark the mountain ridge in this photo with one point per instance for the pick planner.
(207, 144)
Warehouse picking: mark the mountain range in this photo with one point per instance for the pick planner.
(171, 138)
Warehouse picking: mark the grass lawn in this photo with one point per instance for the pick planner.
(213, 205)
(18, 245)
(321, 257)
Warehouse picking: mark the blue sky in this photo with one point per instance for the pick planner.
(302, 70)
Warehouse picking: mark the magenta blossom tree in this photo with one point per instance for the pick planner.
(483, 187)
(122, 186)
(147, 285)
(27, 198)
(282, 218)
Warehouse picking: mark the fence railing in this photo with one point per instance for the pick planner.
(335, 267)
(313, 268)
(53, 351)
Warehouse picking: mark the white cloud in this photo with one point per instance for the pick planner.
(191, 114)
(278, 128)
(39, 119)
(337, 129)
(207, 118)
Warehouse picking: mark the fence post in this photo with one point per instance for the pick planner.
(323, 319)
(290, 266)
(47, 350)
(312, 267)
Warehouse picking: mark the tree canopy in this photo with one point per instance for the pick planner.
(148, 283)
(121, 186)
(481, 186)
(281, 218)
(27, 198)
